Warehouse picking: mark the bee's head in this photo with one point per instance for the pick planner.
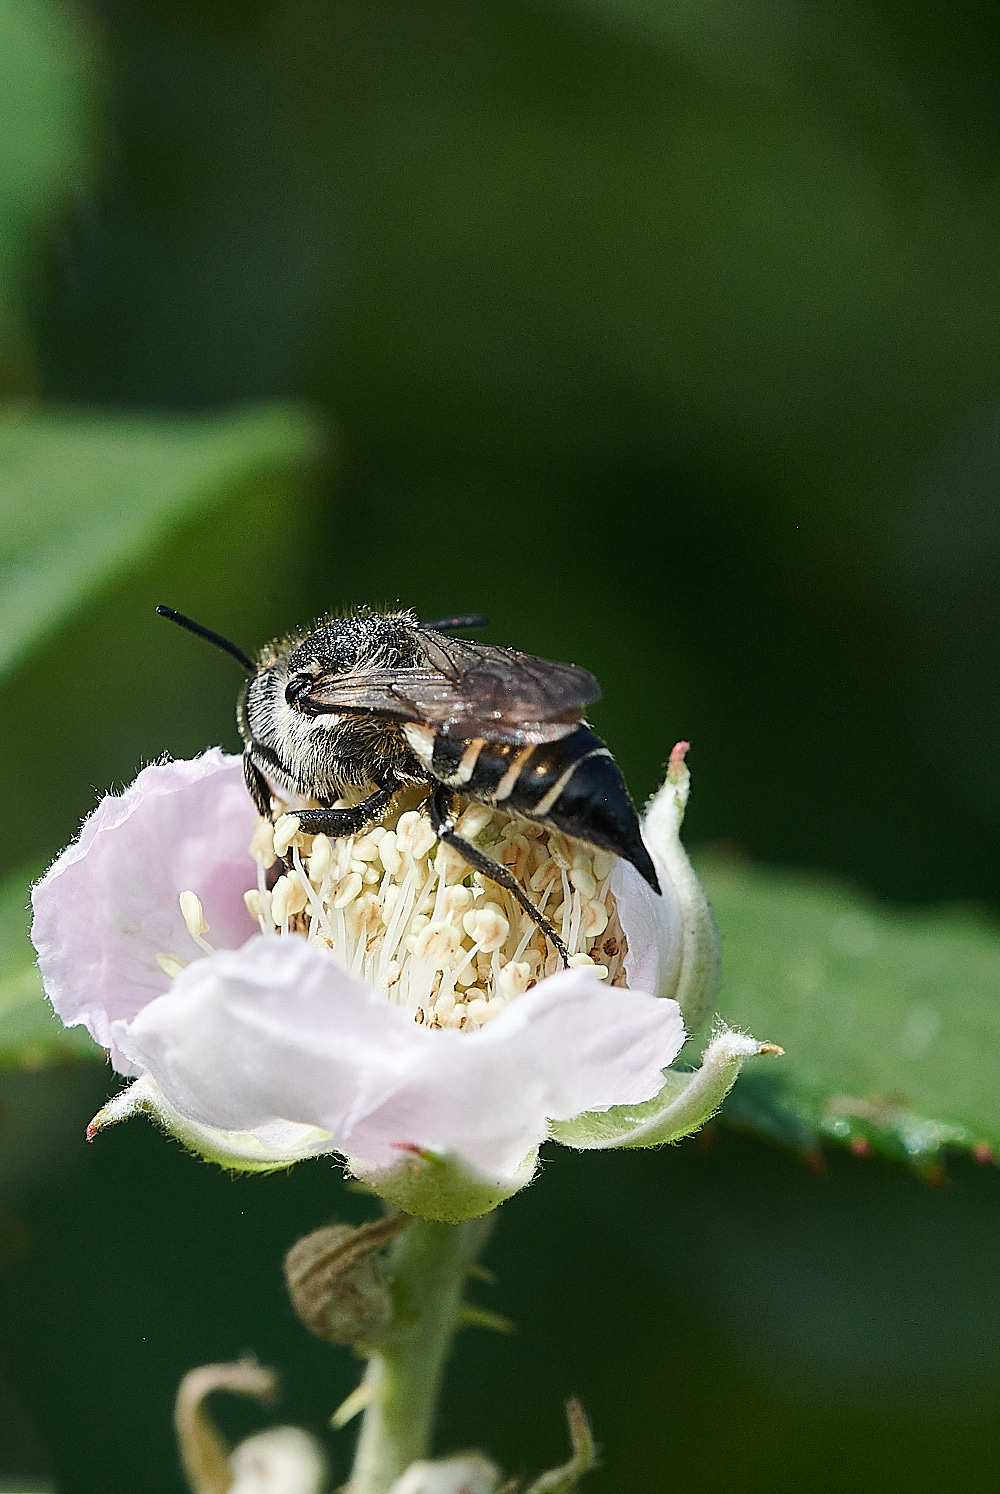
(351, 645)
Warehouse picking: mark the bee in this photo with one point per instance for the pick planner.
(379, 702)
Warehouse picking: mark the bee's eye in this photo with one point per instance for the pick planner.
(296, 687)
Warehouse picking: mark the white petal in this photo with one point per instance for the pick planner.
(109, 904)
(652, 928)
(277, 1032)
(673, 945)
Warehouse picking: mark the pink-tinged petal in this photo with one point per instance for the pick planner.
(276, 1031)
(570, 1044)
(272, 1031)
(652, 927)
(109, 904)
(673, 944)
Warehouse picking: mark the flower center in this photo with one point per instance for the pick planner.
(407, 913)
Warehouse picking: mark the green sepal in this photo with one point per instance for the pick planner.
(683, 1105)
(439, 1186)
(236, 1151)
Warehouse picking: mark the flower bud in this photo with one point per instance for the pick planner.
(282, 1460)
(336, 1283)
(469, 1473)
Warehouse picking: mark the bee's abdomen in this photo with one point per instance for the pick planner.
(573, 783)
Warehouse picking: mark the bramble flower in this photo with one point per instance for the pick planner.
(274, 995)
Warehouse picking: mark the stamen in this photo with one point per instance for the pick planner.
(405, 912)
(320, 859)
(262, 844)
(259, 907)
(288, 897)
(584, 962)
(194, 919)
(286, 828)
(170, 964)
(487, 926)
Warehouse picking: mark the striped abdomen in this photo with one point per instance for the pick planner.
(573, 784)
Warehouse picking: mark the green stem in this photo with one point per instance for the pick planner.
(428, 1264)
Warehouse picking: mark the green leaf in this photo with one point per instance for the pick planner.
(31, 1036)
(85, 496)
(890, 1020)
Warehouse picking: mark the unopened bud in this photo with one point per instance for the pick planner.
(468, 1473)
(282, 1460)
(336, 1282)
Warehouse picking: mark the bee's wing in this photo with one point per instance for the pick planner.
(468, 689)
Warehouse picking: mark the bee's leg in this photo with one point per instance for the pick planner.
(443, 825)
(340, 822)
(257, 784)
(332, 822)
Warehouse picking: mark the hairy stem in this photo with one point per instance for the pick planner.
(428, 1264)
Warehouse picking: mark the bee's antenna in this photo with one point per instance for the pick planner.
(209, 636)
(450, 624)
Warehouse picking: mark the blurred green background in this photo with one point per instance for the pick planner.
(668, 336)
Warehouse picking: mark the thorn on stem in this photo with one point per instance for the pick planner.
(470, 1316)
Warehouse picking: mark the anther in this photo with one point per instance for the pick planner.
(193, 914)
(285, 830)
(288, 897)
(320, 858)
(346, 890)
(262, 844)
(455, 901)
(194, 920)
(389, 853)
(473, 821)
(366, 849)
(451, 865)
(593, 919)
(584, 962)
(438, 942)
(487, 926)
(258, 905)
(170, 964)
(513, 979)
